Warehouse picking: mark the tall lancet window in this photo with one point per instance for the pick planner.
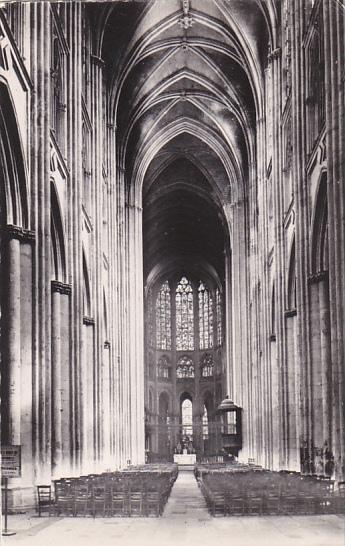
(163, 318)
(219, 317)
(184, 316)
(205, 318)
(187, 418)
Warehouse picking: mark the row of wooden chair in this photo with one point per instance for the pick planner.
(263, 492)
(134, 492)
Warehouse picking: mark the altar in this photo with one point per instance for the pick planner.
(185, 458)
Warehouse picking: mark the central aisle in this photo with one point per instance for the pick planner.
(186, 500)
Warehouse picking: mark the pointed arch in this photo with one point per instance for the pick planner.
(319, 244)
(86, 289)
(105, 318)
(57, 237)
(187, 415)
(273, 310)
(291, 286)
(14, 198)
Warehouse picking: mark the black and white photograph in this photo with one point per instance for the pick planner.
(172, 273)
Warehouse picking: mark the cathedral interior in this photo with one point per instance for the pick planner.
(172, 219)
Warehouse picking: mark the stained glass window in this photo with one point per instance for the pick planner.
(205, 424)
(207, 365)
(163, 368)
(187, 418)
(219, 317)
(205, 317)
(185, 368)
(163, 318)
(184, 316)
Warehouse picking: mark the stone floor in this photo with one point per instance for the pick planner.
(185, 522)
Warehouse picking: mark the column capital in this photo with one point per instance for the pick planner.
(98, 61)
(61, 287)
(275, 54)
(290, 313)
(317, 277)
(112, 126)
(15, 232)
(89, 321)
(134, 207)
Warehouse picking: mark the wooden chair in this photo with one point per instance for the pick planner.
(135, 501)
(82, 498)
(234, 503)
(45, 501)
(254, 502)
(64, 496)
(118, 498)
(218, 503)
(98, 497)
(153, 501)
(271, 499)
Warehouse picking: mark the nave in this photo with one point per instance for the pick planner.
(172, 239)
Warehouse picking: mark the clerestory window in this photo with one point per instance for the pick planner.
(184, 316)
(205, 317)
(163, 318)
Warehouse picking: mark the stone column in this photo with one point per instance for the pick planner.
(240, 327)
(114, 296)
(59, 290)
(326, 362)
(56, 381)
(97, 65)
(135, 332)
(27, 243)
(197, 400)
(334, 29)
(316, 365)
(106, 407)
(230, 369)
(122, 314)
(41, 223)
(175, 398)
(13, 340)
(74, 200)
(302, 221)
(16, 339)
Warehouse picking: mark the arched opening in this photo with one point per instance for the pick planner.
(186, 419)
(186, 145)
(184, 267)
(319, 458)
(14, 200)
(292, 370)
(15, 282)
(291, 295)
(57, 235)
(86, 290)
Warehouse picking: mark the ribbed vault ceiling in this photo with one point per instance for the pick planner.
(185, 80)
